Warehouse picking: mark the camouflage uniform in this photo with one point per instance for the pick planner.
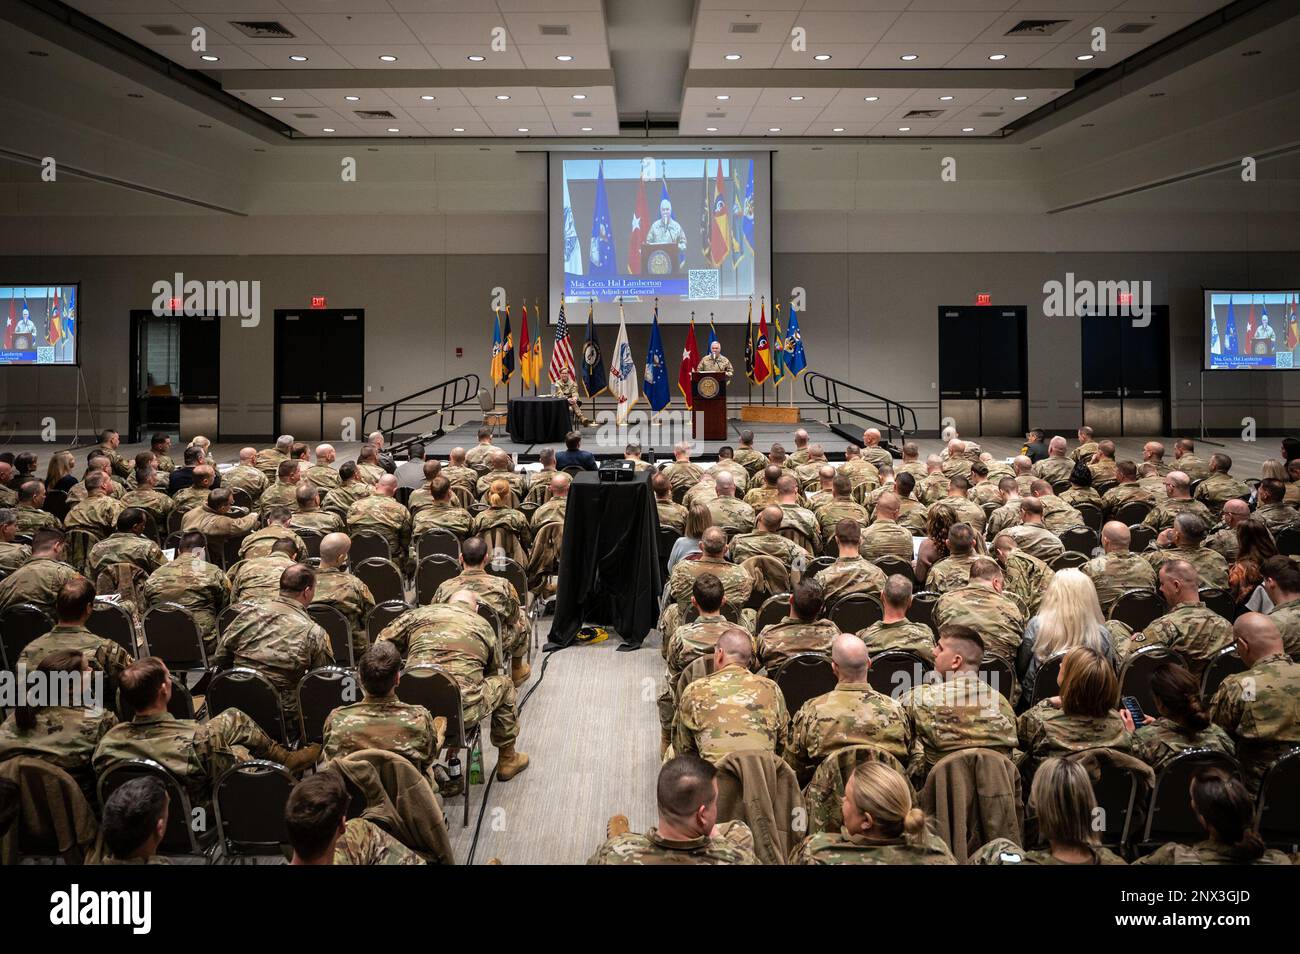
(189, 497)
(125, 548)
(194, 753)
(1004, 518)
(1164, 512)
(197, 585)
(705, 492)
(1113, 573)
(850, 714)
(833, 511)
(79, 491)
(1078, 495)
(1258, 709)
(550, 512)
(1208, 852)
(341, 498)
(30, 519)
(967, 511)
(1104, 470)
(107, 656)
(950, 573)
(259, 542)
(828, 848)
(730, 710)
(37, 581)
(258, 578)
(1047, 731)
(796, 458)
(730, 513)
(1192, 466)
(514, 520)
(278, 639)
(445, 516)
(851, 575)
(750, 459)
(13, 555)
(515, 480)
(1217, 489)
(385, 516)
(500, 594)
(956, 466)
(671, 515)
(998, 618)
(1193, 630)
(476, 458)
(370, 473)
(319, 521)
(960, 712)
(1053, 469)
(347, 594)
(763, 543)
(885, 538)
(466, 477)
(1224, 542)
(382, 722)
(986, 491)
(1004, 851)
(1157, 743)
(900, 634)
(1276, 515)
(760, 496)
(217, 527)
(1026, 577)
(246, 478)
(861, 472)
(802, 519)
(1155, 486)
(151, 501)
(365, 843)
(1059, 515)
(1121, 494)
(733, 845)
(279, 495)
(780, 641)
(268, 462)
(322, 476)
(63, 736)
(933, 489)
(1210, 566)
(96, 514)
(1084, 451)
(689, 643)
(737, 585)
(1286, 616)
(461, 642)
(878, 457)
(1036, 540)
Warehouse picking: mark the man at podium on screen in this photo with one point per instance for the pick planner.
(1265, 337)
(714, 361)
(666, 230)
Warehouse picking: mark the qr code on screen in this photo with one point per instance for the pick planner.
(44, 355)
(703, 283)
(1285, 359)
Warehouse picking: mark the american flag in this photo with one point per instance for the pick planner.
(562, 354)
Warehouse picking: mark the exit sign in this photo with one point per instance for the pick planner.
(318, 301)
(983, 298)
(174, 306)
(1125, 298)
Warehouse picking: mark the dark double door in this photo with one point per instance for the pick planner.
(175, 375)
(982, 369)
(1126, 374)
(319, 373)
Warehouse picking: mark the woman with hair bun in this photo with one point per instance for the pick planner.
(882, 826)
(500, 512)
(1227, 813)
(1180, 723)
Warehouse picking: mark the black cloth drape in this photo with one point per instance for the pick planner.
(609, 560)
(538, 420)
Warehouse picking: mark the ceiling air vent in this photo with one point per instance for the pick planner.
(582, 115)
(925, 113)
(1036, 28)
(553, 29)
(163, 29)
(990, 115)
(715, 115)
(1131, 28)
(747, 29)
(262, 29)
(373, 114)
(305, 116)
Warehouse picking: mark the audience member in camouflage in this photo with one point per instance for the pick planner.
(800, 632)
(259, 542)
(765, 540)
(259, 578)
(128, 545)
(737, 584)
(28, 513)
(1082, 717)
(39, 580)
(72, 609)
(282, 493)
(1190, 628)
(336, 587)
(1179, 500)
(850, 573)
(98, 513)
(245, 476)
(885, 536)
(1117, 569)
(146, 497)
(497, 592)
(1220, 487)
(381, 514)
(731, 709)
(194, 583)
(442, 512)
(268, 461)
(729, 512)
(983, 605)
(352, 487)
(690, 642)
(1188, 534)
(1281, 581)
(1226, 811)
(310, 516)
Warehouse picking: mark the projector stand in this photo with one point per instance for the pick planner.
(76, 421)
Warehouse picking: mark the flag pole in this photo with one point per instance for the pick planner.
(537, 307)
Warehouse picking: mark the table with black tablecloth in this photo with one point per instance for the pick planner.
(538, 420)
(609, 559)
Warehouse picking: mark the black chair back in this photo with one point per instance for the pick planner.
(492, 616)
(435, 689)
(181, 837)
(667, 537)
(383, 614)
(922, 609)
(1223, 665)
(1091, 514)
(249, 800)
(113, 621)
(1135, 511)
(1279, 803)
(509, 569)
(384, 579)
(239, 497)
(816, 566)
(774, 609)
(996, 672)
(432, 572)
(320, 692)
(171, 634)
(1082, 540)
(1138, 609)
(1115, 789)
(311, 540)
(896, 670)
(252, 694)
(437, 540)
(56, 503)
(892, 563)
(19, 625)
(1171, 817)
(1136, 671)
(804, 676)
(1218, 601)
(854, 612)
(230, 614)
(336, 625)
(1069, 560)
(1140, 537)
(368, 544)
(1047, 681)
(1288, 541)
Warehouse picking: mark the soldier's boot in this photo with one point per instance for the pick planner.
(510, 762)
(298, 761)
(617, 825)
(519, 671)
(439, 731)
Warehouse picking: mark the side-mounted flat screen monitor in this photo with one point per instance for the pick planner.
(40, 325)
(1252, 330)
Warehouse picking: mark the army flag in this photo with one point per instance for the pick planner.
(777, 346)
(762, 365)
(535, 351)
(593, 360)
(719, 235)
(656, 368)
(640, 225)
(11, 323)
(690, 358)
(496, 348)
(1293, 326)
(54, 332)
(525, 351)
(507, 349)
(572, 253)
(795, 361)
(1230, 336)
(604, 262)
(622, 372)
(749, 342)
(562, 352)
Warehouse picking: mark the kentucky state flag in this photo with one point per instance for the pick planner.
(656, 368)
(603, 259)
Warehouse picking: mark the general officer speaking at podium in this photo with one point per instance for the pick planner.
(714, 361)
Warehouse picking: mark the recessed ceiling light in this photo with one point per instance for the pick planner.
(328, 129)
(773, 128)
(457, 128)
(393, 129)
(277, 99)
(209, 57)
(503, 96)
(476, 58)
(352, 99)
(388, 58)
(732, 56)
(586, 129)
(822, 57)
(298, 58)
(427, 98)
(997, 56)
(579, 95)
(904, 128)
(710, 128)
(522, 129)
(908, 57)
(870, 99)
(796, 99)
(722, 97)
(1083, 57)
(1020, 99)
(945, 99)
(564, 58)
(968, 129)
(838, 129)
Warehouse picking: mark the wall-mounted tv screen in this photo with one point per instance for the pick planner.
(1252, 330)
(40, 325)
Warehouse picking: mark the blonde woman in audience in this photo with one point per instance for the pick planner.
(1062, 800)
(882, 826)
(1180, 722)
(1069, 616)
(500, 514)
(698, 519)
(1226, 812)
(1082, 717)
(60, 474)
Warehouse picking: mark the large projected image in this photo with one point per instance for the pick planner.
(692, 229)
(40, 324)
(1252, 330)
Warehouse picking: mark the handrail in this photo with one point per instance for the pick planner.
(898, 420)
(451, 394)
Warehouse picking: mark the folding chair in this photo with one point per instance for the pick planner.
(56, 503)
(110, 620)
(896, 670)
(666, 539)
(1218, 601)
(383, 614)
(1135, 511)
(311, 540)
(1288, 541)
(1138, 608)
(892, 563)
(1047, 681)
(340, 632)
(1069, 560)
(996, 672)
(435, 689)
(229, 614)
(185, 833)
(854, 612)
(1278, 817)
(249, 800)
(437, 540)
(816, 566)
(1170, 816)
(368, 544)
(432, 572)
(1136, 671)
(252, 694)
(383, 578)
(1080, 540)
(774, 609)
(1141, 537)
(20, 624)
(922, 609)
(320, 692)
(171, 634)
(803, 676)
(1091, 514)
(1223, 665)
(48, 802)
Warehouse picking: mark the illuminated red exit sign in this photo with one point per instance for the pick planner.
(175, 306)
(1125, 298)
(983, 298)
(318, 301)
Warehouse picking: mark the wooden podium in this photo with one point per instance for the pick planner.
(709, 394)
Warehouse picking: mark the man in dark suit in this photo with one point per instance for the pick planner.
(571, 456)
(1035, 447)
(183, 477)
